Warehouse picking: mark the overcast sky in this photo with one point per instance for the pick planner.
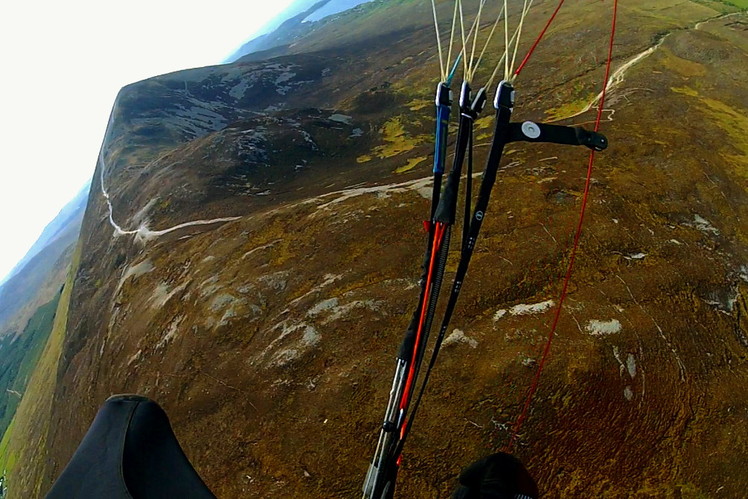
(62, 65)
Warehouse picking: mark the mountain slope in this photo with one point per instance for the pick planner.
(39, 275)
(18, 358)
(250, 256)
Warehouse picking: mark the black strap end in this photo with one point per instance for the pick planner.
(594, 140)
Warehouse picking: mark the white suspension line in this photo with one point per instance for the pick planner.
(464, 45)
(506, 41)
(503, 58)
(470, 37)
(488, 40)
(438, 41)
(476, 25)
(473, 65)
(451, 38)
(525, 8)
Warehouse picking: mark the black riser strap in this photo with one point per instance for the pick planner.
(468, 192)
(501, 131)
(445, 212)
(503, 115)
(484, 195)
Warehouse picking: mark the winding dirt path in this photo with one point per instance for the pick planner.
(619, 74)
(143, 233)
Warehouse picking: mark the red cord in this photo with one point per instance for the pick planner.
(546, 350)
(540, 37)
(439, 231)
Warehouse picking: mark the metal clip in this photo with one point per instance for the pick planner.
(504, 95)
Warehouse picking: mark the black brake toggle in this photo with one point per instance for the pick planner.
(529, 131)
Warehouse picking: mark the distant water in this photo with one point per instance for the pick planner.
(333, 7)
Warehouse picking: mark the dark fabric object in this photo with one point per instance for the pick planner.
(557, 134)
(130, 451)
(498, 476)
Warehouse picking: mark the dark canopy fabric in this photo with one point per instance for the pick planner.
(129, 452)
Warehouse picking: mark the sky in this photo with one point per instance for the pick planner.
(63, 63)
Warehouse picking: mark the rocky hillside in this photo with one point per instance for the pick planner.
(250, 254)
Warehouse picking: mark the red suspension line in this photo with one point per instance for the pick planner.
(537, 40)
(546, 350)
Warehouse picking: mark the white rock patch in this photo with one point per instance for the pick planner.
(162, 294)
(276, 281)
(499, 314)
(238, 90)
(323, 306)
(134, 358)
(208, 286)
(631, 365)
(628, 393)
(603, 328)
(458, 336)
(617, 355)
(135, 271)
(141, 216)
(525, 309)
(341, 118)
(704, 225)
(343, 310)
(309, 339)
(171, 332)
